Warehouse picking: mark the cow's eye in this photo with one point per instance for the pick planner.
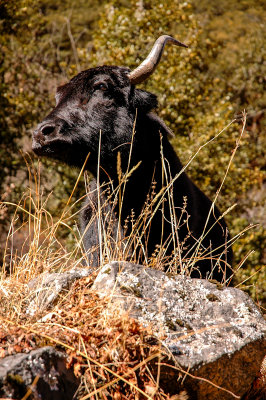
(100, 86)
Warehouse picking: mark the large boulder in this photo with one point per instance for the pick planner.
(215, 334)
(212, 337)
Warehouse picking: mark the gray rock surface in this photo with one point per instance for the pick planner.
(56, 382)
(46, 288)
(212, 332)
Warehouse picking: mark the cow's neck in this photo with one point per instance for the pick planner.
(145, 169)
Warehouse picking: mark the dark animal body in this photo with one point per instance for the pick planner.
(98, 107)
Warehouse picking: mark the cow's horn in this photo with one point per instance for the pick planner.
(147, 67)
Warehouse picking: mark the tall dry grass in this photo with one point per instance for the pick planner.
(112, 354)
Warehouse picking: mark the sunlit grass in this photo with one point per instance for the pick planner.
(109, 350)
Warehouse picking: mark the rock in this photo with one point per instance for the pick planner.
(56, 382)
(46, 288)
(214, 333)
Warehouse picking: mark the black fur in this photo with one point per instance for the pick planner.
(103, 100)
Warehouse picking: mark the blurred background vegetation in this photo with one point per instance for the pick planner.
(43, 43)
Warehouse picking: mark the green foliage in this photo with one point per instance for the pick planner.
(201, 89)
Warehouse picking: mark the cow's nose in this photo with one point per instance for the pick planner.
(48, 129)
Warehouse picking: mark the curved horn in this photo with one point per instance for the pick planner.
(147, 67)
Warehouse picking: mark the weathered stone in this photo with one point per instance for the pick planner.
(212, 332)
(56, 382)
(46, 288)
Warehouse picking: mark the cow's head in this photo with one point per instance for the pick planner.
(99, 103)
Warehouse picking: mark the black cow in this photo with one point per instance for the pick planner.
(101, 108)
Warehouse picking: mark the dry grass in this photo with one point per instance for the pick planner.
(112, 354)
(108, 350)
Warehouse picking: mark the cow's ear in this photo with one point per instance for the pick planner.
(59, 93)
(143, 100)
